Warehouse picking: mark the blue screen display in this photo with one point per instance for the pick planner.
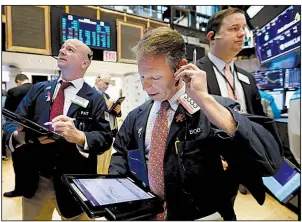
(284, 182)
(94, 33)
(281, 35)
(289, 60)
(269, 79)
(3, 101)
(278, 97)
(292, 78)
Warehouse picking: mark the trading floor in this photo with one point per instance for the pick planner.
(245, 206)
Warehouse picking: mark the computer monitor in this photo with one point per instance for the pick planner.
(284, 183)
(280, 36)
(269, 79)
(278, 97)
(292, 78)
(288, 96)
(3, 101)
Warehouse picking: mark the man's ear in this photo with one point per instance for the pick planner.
(183, 62)
(210, 36)
(85, 64)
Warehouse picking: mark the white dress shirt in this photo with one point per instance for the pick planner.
(69, 93)
(153, 115)
(222, 82)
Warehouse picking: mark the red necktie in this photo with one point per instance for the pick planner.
(227, 73)
(157, 152)
(58, 103)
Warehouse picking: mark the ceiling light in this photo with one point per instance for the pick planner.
(253, 10)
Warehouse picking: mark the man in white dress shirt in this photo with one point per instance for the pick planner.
(44, 160)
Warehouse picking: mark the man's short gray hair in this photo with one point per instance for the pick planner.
(103, 76)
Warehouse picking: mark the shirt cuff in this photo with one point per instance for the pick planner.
(85, 147)
(18, 143)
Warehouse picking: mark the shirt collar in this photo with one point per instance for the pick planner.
(77, 83)
(173, 101)
(97, 89)
(220, 63)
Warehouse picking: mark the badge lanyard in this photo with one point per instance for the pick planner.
(233, 88)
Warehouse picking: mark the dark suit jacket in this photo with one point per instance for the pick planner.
(13, 99)
(62, 157)
(195, 183)
(252, 96)
(15, 96)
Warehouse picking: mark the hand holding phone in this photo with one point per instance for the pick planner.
(195, 79)
(194, 63)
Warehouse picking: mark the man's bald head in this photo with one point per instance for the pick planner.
(86, 51)
(74, 57)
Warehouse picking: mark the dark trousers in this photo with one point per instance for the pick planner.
(19, 176)
(3, 146)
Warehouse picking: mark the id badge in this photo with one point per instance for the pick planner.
(188, 104)
(80, 101)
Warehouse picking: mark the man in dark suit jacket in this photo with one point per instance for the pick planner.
(102, 83)
(226, 33)
(13, 99)
(3, 97)
(59, 103)
(16, 94)
(174, 145)
(225, 44)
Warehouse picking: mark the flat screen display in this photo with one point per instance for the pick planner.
(278, 98)
(249, 40)
(269, 79)
(292, 78)
(286, 61)
(281, 35)
(288, 96)
(109, 191)
(3, 101)
(284, 183)
(94, 33)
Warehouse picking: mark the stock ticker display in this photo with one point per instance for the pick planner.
(292, 78)
(269, 79)
(94, 33)
(279, 36)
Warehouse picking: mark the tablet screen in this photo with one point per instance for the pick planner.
(285, 182)
(101, 191)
